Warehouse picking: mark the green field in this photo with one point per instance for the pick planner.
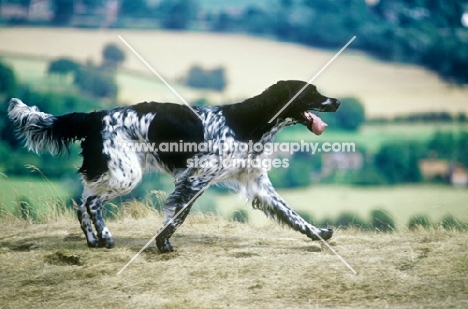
(251, 64)
(401, 202)
(371, 137)
(320, 201)
(41, 197)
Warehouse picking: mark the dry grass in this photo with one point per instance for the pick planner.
(220, 264)
(252, 64)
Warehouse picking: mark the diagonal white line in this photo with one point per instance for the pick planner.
(202, 190)
(313, 78)
(158, 75)
(162, 229)
(336, 253)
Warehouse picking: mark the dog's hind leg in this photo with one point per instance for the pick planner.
(94, 207)
(271, 203)
(90, 212)
(95, 196)
(86, 224)
(187, 190)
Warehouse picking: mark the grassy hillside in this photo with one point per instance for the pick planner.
(219, 264)
(252, 64)
(33, 198)
(401, 202)
(319, 201)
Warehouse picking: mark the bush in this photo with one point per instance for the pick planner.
(419, 221)
(27, 209)
(367, 176)
(349, 219)
(62, 66)
(351, 115)
(96, 82)
(198, 77)
(7, 82)
(398, 162)
(112, 56)
(382, 221)
(177, 14)
(449, 222)
(240, 215)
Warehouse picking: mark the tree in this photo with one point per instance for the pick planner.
(256, 20)
(351, 115)
(133, 8)
(96, 82)
(450, 146)
(7, 91)
(112, 56)
(63, 11)
(398, 162)
(198, 77)
(62, 66)
(298, 172)
(177, 14)
(7, 82)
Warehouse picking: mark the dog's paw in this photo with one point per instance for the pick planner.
(325, 234)
(164, 245)
(109, 243)
(93, 243)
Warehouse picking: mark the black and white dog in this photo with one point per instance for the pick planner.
(110, 168)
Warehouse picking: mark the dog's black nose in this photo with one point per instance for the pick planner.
(337, 103)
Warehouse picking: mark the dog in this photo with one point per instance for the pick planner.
(112, 168)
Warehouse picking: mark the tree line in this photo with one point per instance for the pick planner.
(425, 32)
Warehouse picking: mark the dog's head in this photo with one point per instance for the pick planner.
(305, 98)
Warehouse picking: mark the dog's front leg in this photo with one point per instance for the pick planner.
(177, 207)
(271, 203)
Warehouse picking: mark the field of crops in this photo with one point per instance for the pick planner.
(252, 64)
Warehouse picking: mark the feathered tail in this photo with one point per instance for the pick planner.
(46, 132)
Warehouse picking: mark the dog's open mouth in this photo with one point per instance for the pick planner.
(314, 123)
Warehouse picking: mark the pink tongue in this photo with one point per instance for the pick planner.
(318, 126)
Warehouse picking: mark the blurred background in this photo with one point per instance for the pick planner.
(403, 84)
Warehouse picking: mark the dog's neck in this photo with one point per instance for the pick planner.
(250, 118)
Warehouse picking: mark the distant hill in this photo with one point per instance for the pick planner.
(223, 5)
(252, 64)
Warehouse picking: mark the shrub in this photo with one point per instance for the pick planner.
(349, 219)
(96, 82)
(214, 79)
(398, 162)
(351, 115)
(240, 215)
(62, 66)
(27, 210)
(112, 56)
(449, 222)
(7, 82)
(419, 221)
(382, 221)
